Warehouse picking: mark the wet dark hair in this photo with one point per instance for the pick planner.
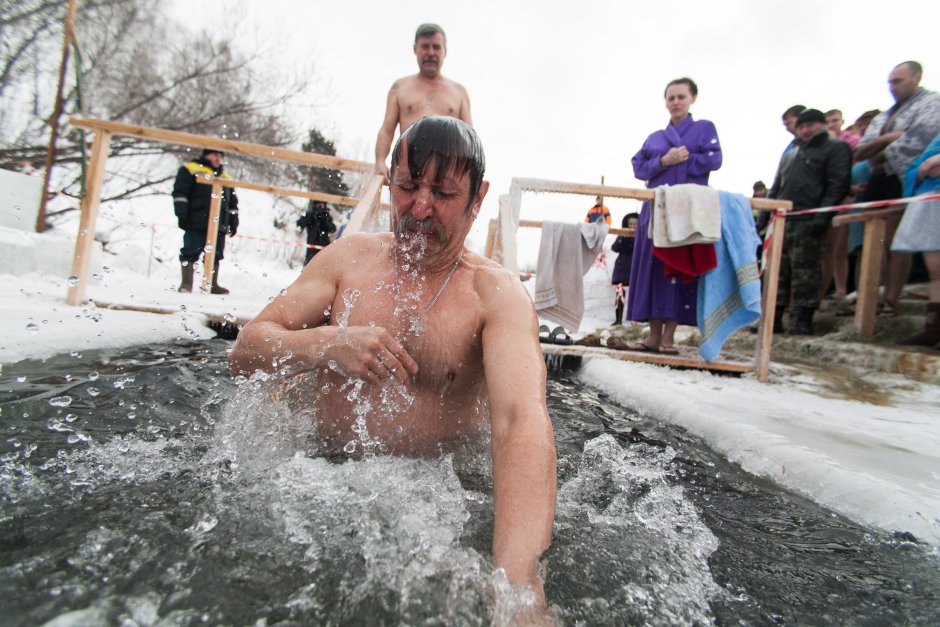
(793, 111)
(449, 143)
(429, 30)
(682, 81)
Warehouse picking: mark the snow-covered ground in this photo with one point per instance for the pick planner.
(877, 464)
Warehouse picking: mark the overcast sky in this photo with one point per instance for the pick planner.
(569, 90)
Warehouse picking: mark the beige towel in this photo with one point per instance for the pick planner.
(685, 214)
(565, 255)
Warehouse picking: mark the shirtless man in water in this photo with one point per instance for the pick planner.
(425, 93)
(419, 340)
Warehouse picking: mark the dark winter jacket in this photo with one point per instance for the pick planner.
(319, 225)
(817, 175)
(191, 199)
(623, 246)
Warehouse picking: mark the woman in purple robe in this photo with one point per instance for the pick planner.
(686, 151)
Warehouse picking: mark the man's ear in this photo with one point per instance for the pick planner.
(478, 199)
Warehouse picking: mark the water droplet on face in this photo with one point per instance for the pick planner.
(72, 280)
(32, 327)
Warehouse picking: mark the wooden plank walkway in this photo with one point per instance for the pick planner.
(687, 358)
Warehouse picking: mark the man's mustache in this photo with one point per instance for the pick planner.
(409, 223)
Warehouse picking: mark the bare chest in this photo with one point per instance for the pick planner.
(444, 338)
(421, 100)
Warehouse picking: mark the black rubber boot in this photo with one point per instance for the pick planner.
(186, 285)
(216, 288)
(802, 323)
(931, 333)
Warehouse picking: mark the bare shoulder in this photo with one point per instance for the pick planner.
(495, 286)
(456, 86)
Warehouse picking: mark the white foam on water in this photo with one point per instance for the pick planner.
(635, 531)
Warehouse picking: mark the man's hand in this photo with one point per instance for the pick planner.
(382, 169)
(929, 168)
(369, 353)
(675, 156)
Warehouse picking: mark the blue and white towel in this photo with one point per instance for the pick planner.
(729, 296)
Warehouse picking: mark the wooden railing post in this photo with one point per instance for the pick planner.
(84, 243)
(765, 328)
(368, 204)
(212, 235)
(869, 277)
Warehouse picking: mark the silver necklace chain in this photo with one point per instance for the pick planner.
(439, 291)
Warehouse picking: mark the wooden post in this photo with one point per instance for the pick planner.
(54, 118)
(765, 329)
(490, 240)
(869, 277)
(89, 216)
(367, 205)
(212, 235)
(507, 234)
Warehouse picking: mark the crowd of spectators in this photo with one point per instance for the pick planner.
(882, 155)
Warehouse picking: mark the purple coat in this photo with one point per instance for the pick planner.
(652, 294)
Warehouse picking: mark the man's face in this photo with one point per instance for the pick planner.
(808, 130)
(789, 123)
(430, 52)
(432, 213)
(903, 83)
(215, 159)
(834, 122)
(598, 201)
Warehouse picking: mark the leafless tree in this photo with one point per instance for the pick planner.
(138, 66)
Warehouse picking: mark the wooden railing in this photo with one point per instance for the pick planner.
(365, 206)
(501, 241)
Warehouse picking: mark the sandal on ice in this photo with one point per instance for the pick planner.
(560, 336)
(545, 334)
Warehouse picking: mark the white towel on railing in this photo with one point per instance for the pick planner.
(685, 214)
(566, 253)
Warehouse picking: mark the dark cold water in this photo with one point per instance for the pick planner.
(142, 487)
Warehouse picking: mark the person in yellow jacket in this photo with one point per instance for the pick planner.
(598, 212)
(191, 204)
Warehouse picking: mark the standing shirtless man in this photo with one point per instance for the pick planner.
(416, 342)
(425, 93)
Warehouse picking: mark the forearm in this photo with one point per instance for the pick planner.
(268, 346)
(524, 469)
(383, 145)
(866, 151)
